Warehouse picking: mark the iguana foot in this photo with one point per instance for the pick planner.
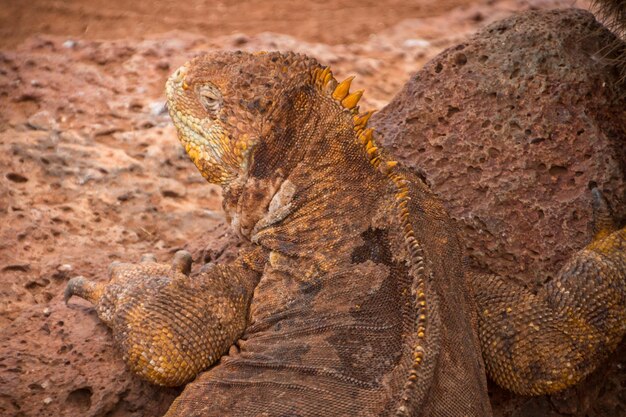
(541, 343)
(169, 326)
(125, 274)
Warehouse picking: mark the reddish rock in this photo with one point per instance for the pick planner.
(61, 361)
(510, 129)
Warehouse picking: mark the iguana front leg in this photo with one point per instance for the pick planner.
(170, 325)
(540, 343)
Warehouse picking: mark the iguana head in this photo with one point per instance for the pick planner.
(223, 104)
(220, 104)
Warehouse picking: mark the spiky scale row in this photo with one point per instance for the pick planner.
(323, 76)
(416, 253)
(360, 120)
(340, 92)
(352, 99)
(342, 89)
(365, 136)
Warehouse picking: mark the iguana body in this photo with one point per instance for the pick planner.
(352, 270)
(350, 298)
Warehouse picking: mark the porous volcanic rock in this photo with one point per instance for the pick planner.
(55, 364)
(510, 129)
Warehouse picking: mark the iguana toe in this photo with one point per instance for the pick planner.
(83, 288)
(182, 262)
(603, 220)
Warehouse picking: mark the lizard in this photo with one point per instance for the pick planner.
(350, 296)
(336, 304)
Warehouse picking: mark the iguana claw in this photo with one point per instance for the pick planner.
(182, 262)
(603, 221)
(83, 288)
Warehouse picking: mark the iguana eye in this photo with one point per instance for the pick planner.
(210, 98)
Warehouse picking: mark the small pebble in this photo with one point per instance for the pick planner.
(47, 400)
(240, 40)
(42, 120)
(416, 43)
(157, 108)
(46, 312)
(163, 65)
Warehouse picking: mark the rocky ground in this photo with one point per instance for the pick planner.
(92, 171)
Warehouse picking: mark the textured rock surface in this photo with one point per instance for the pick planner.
(510, 128)
(53, 364)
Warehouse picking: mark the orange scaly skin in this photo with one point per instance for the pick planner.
(170, 326)
(350, 297)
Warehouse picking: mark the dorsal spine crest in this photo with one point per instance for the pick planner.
(340, 92)
(325, 82)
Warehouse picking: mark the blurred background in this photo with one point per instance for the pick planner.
(326, 21)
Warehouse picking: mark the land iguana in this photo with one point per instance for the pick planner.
(349, 296)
